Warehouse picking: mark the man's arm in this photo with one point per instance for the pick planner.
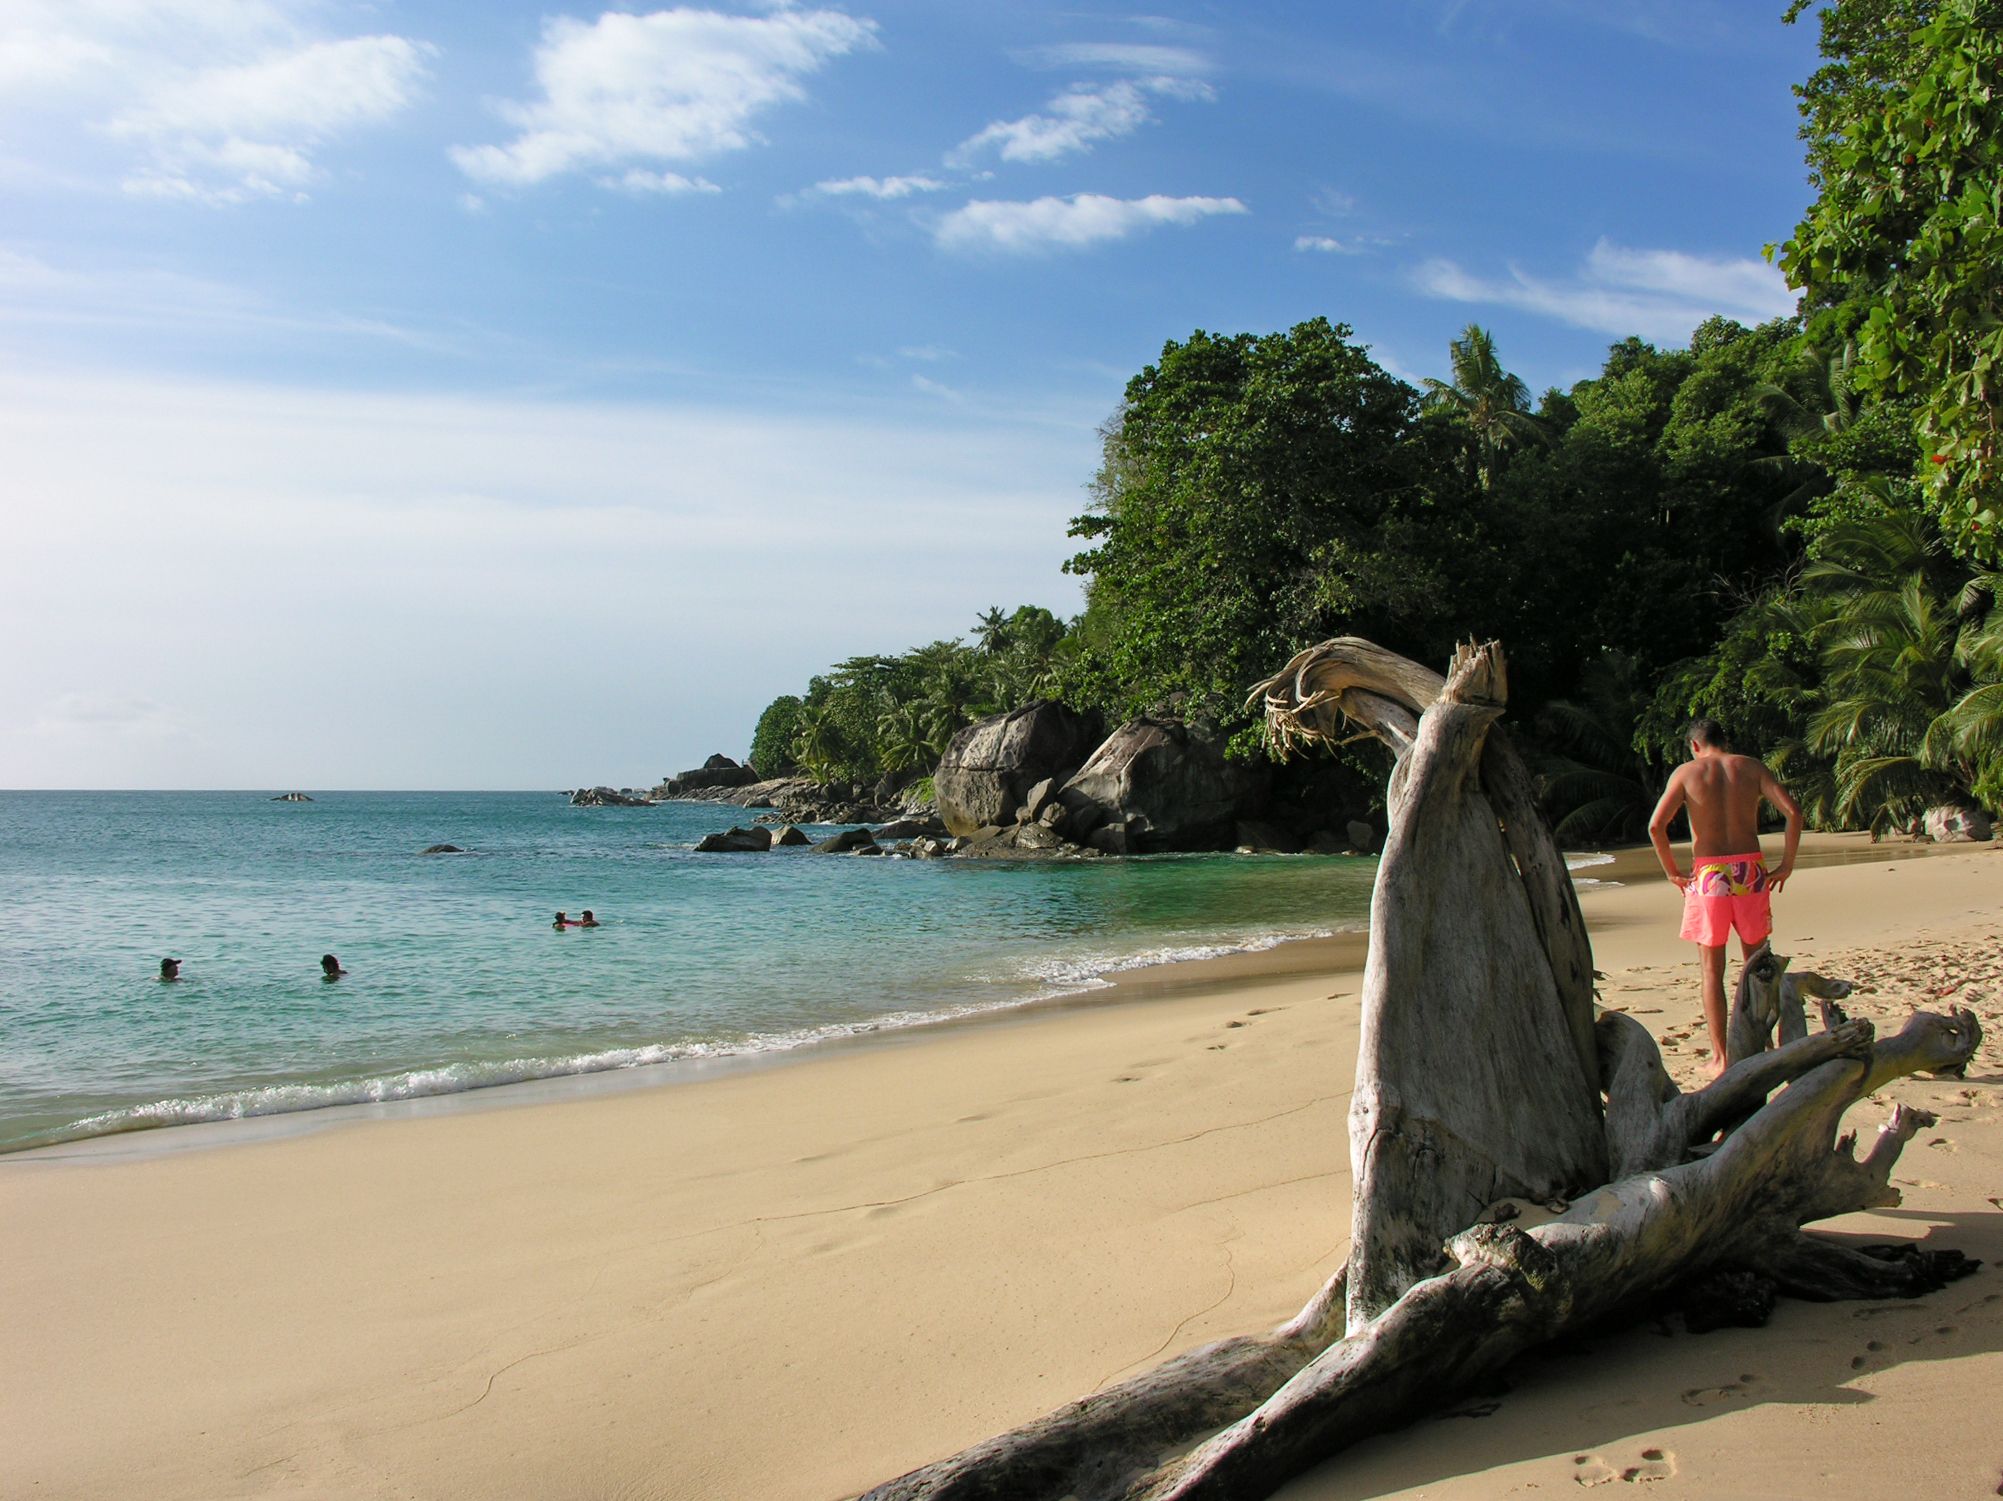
(1781, 798)
(1658, 827)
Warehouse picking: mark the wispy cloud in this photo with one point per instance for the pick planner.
(100, 714)
(673, 86)
(222, 102)
(882, 188)
(1658, 294)
(1076, 120)
(640, 180)
(1127, 57)
(1072, 223)
(1324, 245)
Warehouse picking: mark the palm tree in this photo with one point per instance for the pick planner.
(1911, 715)
(991, 631)
(901, 738)
(1494, 404)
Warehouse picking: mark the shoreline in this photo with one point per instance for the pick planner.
(1338, 953)
(794, 1284)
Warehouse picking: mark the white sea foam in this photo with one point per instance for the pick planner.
(460, 1078)
(1072, 974)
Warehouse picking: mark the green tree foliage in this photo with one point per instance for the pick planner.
(772, 740)
(1257, 491)
(1902, 247)
(873, 717)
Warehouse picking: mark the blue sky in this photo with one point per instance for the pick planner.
(407, 394)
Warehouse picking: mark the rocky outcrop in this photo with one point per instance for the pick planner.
(292, 797)
(991, 765)
(1158, 784)
(799, 800)
(443, 849)
(788, 837)
(1949, 824)
(735, 842)
(608, 797)
(717, 771)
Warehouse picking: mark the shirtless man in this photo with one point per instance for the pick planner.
(1728, 886)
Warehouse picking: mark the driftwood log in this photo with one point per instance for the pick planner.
(1522, 1166)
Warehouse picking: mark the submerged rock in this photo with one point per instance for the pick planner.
(443, 849)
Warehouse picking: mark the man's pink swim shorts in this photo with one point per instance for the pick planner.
(1727, 892)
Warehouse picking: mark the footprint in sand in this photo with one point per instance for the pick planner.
(1871, 1347)
(1218, 1047)
(1713, 1396)
(1590, 1469)
(1595, 1469)
(1234, 1024)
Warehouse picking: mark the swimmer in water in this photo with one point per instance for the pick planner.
(589, 921)
(562, 921)
(330, 967)
(170, 970)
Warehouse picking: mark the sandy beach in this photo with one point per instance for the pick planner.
(798, 1281)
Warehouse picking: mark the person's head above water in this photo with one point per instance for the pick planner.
(587, 921)
(331, 967)
(562, 921)
(170, 969)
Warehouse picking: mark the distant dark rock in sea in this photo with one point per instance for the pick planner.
(292, 797)
(735, 842)
(719, 771)
(443, 849)
(607, 797)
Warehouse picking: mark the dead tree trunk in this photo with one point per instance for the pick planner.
(1480, 1085)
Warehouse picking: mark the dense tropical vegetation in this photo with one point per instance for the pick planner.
(1790, 527)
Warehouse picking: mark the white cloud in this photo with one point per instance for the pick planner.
(936, 388)
(877, 187)
(225, 100)
(1130, 57)
(1076, 120)
(1659, 294)
(1323, 245)
(1069, 223)
(674, 85)
(640, 180)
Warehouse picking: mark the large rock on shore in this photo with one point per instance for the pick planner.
(991, 765)
(1158, 784)
(1949, 824)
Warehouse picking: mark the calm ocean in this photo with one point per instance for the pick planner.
(456, 978)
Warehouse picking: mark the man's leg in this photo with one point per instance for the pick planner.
(1713, 962)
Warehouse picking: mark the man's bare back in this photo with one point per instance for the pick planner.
(1728, 885)
(1722, 792)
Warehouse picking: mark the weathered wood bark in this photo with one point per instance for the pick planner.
(1459, 975)
(1475, 933)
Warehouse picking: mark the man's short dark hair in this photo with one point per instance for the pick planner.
(1709, 732)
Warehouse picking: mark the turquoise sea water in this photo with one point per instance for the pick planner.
(456, 978)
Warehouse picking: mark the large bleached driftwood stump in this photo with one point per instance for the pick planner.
(1486, 1082)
